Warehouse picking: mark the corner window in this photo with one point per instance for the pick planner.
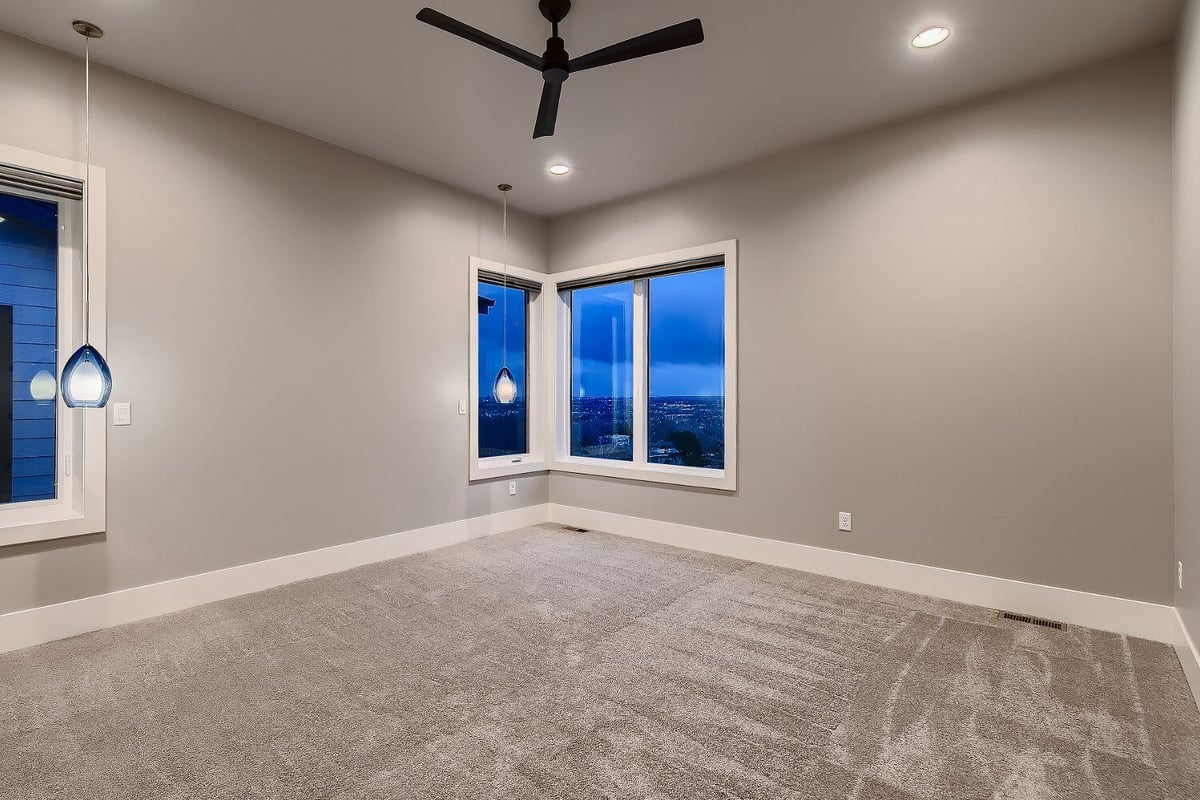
(625, 370)
(52, 459)
(648, 352)
(506, 320)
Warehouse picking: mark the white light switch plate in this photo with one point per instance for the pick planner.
(462, 408)
(512, 488)
(122, 414)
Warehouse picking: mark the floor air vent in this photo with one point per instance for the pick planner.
(573, 529)
(1028, 620)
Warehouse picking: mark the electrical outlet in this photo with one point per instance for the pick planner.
(512, 488)
(844, 521)
(1179, 573)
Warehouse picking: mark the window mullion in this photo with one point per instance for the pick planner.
(562, 392)
(641, 347)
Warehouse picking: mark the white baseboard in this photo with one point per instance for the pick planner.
(1116, 614)
(34, 626)
(1148, 620)
(1189, 656)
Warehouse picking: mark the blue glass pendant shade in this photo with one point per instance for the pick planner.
(504, 390)
(86, 379)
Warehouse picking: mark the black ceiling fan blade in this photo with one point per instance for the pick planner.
(670, 38)
(450, 25)
(548, 110)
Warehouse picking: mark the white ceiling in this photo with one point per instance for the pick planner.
(772, 74)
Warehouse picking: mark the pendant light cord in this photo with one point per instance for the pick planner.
(87, 187)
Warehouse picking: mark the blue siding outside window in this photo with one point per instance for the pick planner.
(28, 286)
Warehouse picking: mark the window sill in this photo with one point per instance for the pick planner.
(724, 480)
(505, 467)
(45, 523)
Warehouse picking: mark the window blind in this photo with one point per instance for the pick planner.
(43, 183)
(645, 272)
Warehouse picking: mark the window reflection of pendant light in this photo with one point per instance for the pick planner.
(504, 390)
(43, 387)
(86, 378)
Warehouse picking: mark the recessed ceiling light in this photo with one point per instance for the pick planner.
(558, 169)
(931, 37)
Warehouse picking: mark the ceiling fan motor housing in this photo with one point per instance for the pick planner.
(556, 59)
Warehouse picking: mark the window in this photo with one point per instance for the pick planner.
(52, 459)
(647, 384)
(503, 427)
(686, 409)
(602, 372)
(506, 437)
(28, 347)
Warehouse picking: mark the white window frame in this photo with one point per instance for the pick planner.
(535, 459)
(641, 269)
(81, 434)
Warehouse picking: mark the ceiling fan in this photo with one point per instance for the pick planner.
(555, 65)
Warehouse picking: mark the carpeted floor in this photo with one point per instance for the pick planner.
(549, 664)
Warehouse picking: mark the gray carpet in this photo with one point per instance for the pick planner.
(548, 664)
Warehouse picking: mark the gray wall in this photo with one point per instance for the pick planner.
(288, 321)
(1187, 322)
(957, 328)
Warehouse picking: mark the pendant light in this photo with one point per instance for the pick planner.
(86, 378)
(504, 390)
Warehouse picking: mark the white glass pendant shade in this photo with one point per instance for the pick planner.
(504, 390)
(43, 387)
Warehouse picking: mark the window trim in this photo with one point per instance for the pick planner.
(81, 459)
(535, 460)
(641, 269)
